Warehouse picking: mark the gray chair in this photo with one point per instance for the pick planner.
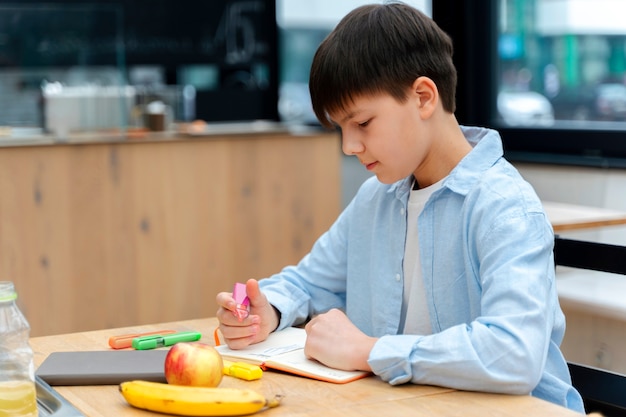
(602, 391)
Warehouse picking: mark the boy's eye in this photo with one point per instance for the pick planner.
(364, 124)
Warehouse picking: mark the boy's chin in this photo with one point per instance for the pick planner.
(387, 180)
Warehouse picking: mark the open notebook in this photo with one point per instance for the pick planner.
(284, 351)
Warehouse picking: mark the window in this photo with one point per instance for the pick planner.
(550, 75)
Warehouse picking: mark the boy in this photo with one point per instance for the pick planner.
(440, 270)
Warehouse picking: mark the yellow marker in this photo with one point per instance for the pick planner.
(242, 370)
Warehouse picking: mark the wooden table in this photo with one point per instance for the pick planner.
(303, 397)
(565, 217)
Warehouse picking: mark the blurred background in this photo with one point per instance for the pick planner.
(87, 209)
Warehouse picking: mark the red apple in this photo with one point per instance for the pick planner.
(193, 363)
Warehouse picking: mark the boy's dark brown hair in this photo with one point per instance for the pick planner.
(380, 48)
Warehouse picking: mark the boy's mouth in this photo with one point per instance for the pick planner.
(370, 166)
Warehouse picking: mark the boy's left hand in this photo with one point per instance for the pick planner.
(335, 341)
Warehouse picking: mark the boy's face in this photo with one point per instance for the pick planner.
(389, 138)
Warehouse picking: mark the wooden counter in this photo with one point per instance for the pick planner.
(100, 235)
(302, 396)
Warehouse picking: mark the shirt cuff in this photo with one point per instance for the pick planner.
(390, 358)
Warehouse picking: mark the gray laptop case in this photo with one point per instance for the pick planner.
(106, 367)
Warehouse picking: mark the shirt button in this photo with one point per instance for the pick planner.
(398, 277)
(402, 211)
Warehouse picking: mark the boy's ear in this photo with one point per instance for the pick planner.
(426, 95)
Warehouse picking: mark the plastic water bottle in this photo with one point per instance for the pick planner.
(18, 396)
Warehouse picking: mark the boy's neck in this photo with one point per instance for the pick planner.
(449, 147)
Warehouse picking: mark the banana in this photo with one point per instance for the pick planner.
(194, 401)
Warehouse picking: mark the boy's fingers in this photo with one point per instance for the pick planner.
(225, 300)
(253, 291)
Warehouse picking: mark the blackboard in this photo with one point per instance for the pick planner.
(235, 39)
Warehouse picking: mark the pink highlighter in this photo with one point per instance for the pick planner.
(243, 302)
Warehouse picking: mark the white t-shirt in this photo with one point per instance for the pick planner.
(414, 318)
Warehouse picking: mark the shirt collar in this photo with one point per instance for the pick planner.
(487, 150)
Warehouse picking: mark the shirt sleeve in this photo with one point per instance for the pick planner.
(504, 348)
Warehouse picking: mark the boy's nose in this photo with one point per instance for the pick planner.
(350, 145)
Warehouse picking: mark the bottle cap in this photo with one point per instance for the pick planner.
(7, 291)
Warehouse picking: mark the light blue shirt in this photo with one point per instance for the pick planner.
(486, 253)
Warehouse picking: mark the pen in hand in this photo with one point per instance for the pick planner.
(242, 307)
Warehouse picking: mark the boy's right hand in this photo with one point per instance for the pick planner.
(262, 320)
